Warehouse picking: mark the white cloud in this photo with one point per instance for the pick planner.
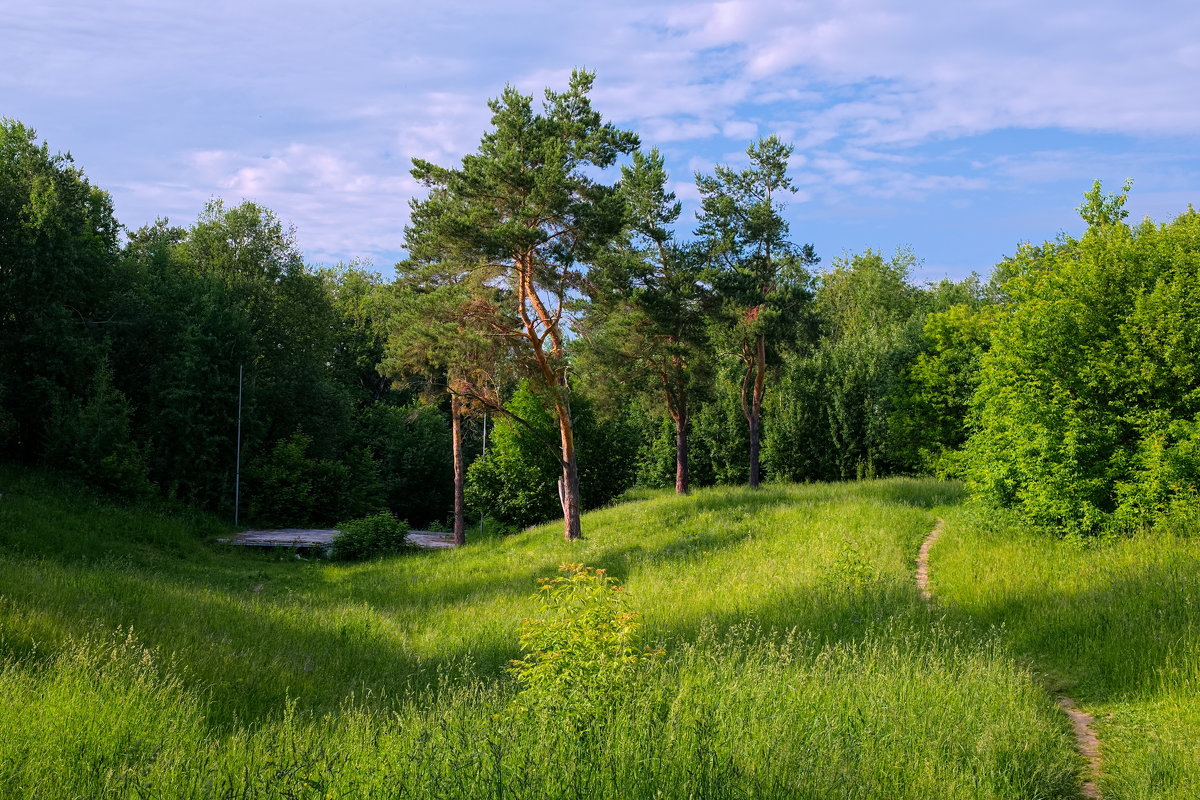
(170, 105)
(739, 129)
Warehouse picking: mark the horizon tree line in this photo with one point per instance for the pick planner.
(606, 348)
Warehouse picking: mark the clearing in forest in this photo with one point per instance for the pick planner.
(799, 660)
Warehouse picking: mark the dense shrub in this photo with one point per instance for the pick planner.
(517, 479)
(1088, 409)
(581, 653)
(290, 487)
(831, 418)
(378, 535)
(411, 445)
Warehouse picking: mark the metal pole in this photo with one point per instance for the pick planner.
(237, 477)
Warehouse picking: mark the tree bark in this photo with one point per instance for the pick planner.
(755, 415)
(754, 452)
(681, 452)
(568, 488)
(460, 525)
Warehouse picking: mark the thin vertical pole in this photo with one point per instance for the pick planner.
(237, 476)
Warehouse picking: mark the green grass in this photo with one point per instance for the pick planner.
(1116, 623)
(138, 659)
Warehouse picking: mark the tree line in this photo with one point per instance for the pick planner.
(551, 294)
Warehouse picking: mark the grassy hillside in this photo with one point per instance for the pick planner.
(1114, 622)
(141, 659)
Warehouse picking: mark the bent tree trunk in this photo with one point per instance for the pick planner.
(460, 526)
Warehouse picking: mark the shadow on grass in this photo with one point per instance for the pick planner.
(325, 634)
(1118, 640)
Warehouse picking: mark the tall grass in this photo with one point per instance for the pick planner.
(799, 662)
(900, 713)
(1115, 622)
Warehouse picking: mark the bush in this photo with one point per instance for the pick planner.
(378, 535)
(1088, 409)
(582, 654)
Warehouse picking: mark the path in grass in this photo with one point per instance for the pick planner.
(923, 560)
(1081, 722)
(787, 609)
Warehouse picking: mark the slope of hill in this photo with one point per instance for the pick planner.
(141, 659)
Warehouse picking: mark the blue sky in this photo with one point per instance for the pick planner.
(956, 129)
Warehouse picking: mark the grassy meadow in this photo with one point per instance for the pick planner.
(138, 658)
(1114, 622)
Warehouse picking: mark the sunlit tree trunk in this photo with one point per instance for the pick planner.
(568, 485)
(755, 415)
(460, 526)
(681, 450)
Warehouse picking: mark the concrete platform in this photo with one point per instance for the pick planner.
(323, 538)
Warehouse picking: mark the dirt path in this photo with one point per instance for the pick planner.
(1081, 722)
(1085, 742)
(923, 561)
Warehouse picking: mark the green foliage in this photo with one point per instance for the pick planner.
(933, 400)
(527, 213)
(517, 479)
(720, 440)
(369, 537)
(1089, 398)
(646, 327)
(760, 279)
(833, 414)
(291, 487)
(850, 570)
(58, 249)
(411, 448)
(91, 439)
(656, 455)
(359, 297)
(582, 654)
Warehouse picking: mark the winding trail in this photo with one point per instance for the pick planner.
(923, 560)
(1081, 722)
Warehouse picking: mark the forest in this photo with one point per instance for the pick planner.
(554, 299)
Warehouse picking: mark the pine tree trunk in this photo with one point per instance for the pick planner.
(681, 453)
(755, 416)
(754, 451)
(568, 487)
(460, 526)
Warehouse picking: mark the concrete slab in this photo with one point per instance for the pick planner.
(323, 537)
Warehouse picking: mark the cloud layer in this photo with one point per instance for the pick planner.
(909, 120)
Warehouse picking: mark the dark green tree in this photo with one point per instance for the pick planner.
(527, 214)
(58, 257)
(441, 327)
(646, 325)
(832, 416)
(760, 277)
